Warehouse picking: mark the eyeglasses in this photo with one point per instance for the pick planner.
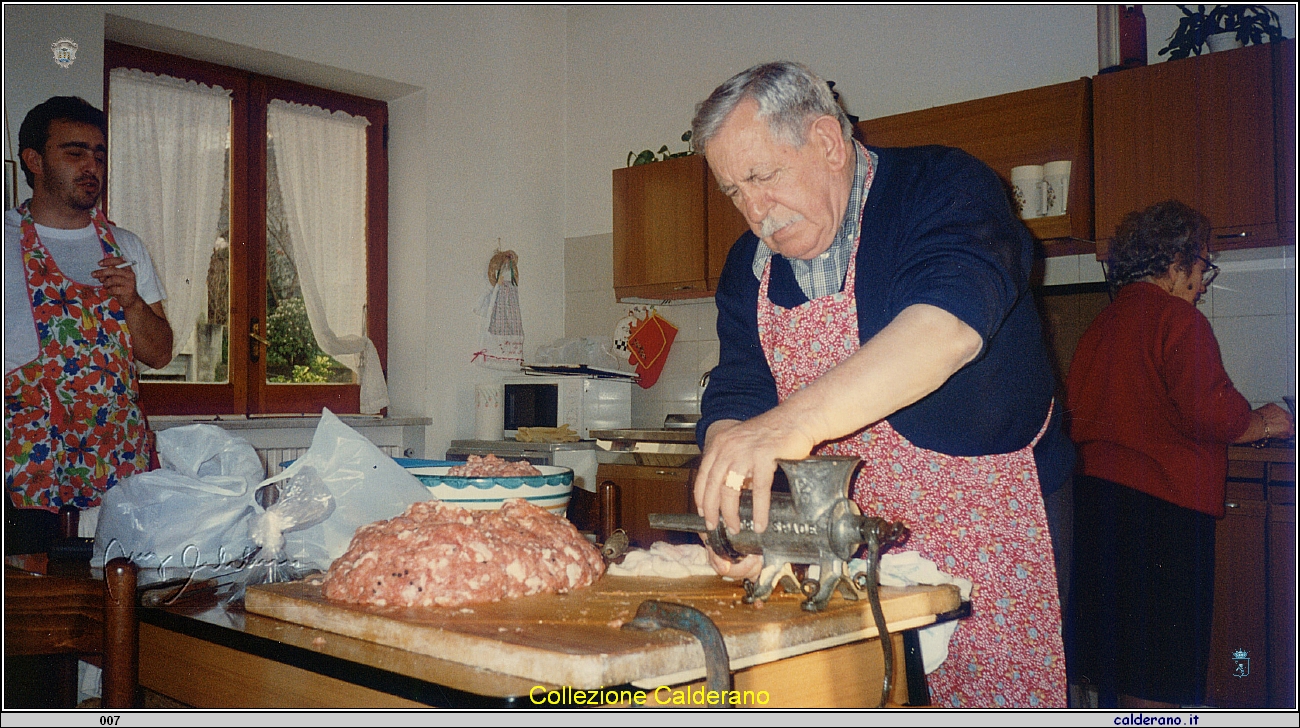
(1211, 270)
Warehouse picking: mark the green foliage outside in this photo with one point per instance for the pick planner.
(293, 357)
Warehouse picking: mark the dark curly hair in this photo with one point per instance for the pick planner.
(35, 130)
(1148, 242)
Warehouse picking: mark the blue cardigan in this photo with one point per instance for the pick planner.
(937, 228)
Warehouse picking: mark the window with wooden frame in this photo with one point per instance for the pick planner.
(299, 243)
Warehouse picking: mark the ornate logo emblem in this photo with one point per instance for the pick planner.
(1241, 659)
(65, 52)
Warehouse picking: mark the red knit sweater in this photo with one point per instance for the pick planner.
(1151, 406)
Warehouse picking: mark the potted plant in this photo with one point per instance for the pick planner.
(647, 156)
(1236, 25)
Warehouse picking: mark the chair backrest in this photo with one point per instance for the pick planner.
(47, 615)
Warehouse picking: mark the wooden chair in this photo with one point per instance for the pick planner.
(63, 615)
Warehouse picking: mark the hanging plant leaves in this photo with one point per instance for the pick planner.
(647, 156)
(1251, 24)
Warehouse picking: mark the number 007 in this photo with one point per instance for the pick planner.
(109, 719)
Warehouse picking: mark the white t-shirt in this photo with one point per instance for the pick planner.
(77, 253)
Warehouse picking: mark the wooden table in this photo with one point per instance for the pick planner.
(316, 654)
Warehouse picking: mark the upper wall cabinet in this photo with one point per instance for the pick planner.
(1201, 130)
(1026, 127)
(1284, 131)
(672, 230)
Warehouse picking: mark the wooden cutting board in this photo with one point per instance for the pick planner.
(574, 639)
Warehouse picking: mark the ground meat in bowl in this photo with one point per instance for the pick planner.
(493, 467)
(436, 554)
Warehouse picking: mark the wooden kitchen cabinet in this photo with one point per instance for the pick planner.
(1281, 585)
(672, 230)
(1254, 583)
(1239, 599)
(1284, 122)
(1200, 130)
(644, 489)
(1026, 127)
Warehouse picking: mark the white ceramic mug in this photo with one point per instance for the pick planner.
(1030, 191)
(1056, 177)
(489, 413)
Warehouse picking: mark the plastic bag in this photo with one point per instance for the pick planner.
(193, 514)
(302, 503)
(593, 351)
(366, 486)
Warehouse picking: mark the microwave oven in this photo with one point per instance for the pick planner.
(582, 403)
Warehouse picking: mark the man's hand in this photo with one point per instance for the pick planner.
(911, 357)
(744, 454)
(118, 281)
(750, 567)
(151, 335)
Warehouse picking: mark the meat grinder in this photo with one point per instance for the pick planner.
(815, 524)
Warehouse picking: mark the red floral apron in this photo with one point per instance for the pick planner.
(981, 518)
(72, 421)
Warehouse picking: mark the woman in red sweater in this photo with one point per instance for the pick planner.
(1152, 413)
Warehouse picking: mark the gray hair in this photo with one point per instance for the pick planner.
(788, 96)
(1148, 242)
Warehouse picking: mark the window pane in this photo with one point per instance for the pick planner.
(169, 144)
(205, 357)
(292, 356)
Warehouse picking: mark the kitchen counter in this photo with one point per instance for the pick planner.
(206, 650)
(280, 421)
(404, 434)
(1276, 451)
(681, 435)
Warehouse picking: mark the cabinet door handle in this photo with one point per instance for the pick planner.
(1242, 234)
(1232, 505)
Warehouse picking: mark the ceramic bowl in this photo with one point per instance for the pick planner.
(550, 490)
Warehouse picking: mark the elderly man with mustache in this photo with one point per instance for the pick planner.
(880, 308)
(82, 305)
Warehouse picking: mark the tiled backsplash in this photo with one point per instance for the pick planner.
(590, 310)
(1252, 306)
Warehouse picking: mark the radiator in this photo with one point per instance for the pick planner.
(272, 457)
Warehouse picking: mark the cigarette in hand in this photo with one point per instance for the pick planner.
(127, 264)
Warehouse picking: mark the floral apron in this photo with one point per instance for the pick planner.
(981, 518)
(72, 421)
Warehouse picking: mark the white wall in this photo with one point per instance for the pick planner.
(884, 60)
(31, 75)
(476, 152)
(636, 72)
(507, 121)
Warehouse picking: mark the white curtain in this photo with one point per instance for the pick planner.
(321, 159)
(167, 153)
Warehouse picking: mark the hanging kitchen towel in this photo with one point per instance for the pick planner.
(501, 345)
(648, 345)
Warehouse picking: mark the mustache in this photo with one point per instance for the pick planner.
(771, 226)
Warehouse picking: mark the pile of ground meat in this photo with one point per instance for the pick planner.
(436, 554)
(492, 467)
